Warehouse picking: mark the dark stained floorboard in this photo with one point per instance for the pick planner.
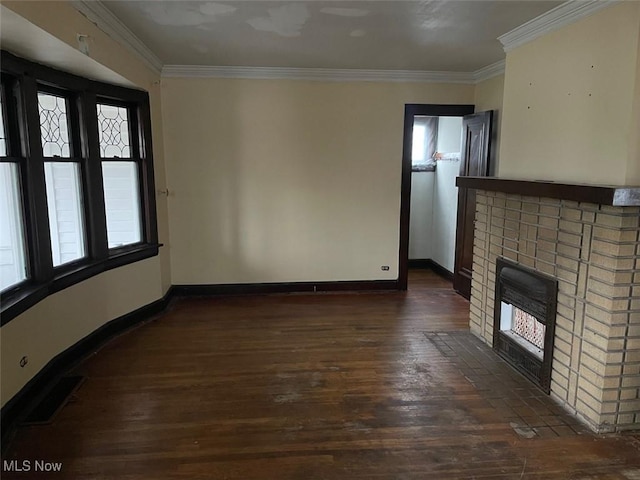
(328, 386)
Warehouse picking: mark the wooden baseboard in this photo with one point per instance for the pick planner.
(16, 409)
(429, 264)
(293, 287)
(424, 263)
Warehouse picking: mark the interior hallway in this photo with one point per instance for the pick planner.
(333, 386)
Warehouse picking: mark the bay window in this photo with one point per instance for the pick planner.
(13, 266)
(77, 193)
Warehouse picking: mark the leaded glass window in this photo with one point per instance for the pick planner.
(113, 130)
(54, 125)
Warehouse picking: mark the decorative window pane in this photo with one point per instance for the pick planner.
(12, 248)
(122, 203)
(113, 131)
(54, 125)
(3, 135)
(64, 203)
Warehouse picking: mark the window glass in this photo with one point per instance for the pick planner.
(418, 151)
(425, 135)
(12, 247)
(64, 203)
(54, 125)
(113, 131)
(3, 135)
(122, 203)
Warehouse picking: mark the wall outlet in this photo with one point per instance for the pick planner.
(384, 268)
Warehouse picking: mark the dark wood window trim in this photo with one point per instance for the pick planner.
(23, 79)
(410, 111)
(424, 168)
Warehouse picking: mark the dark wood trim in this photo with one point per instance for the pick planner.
(430, 264)
(38, 237)
(411, 110)
(21, 81)
(440, 270)
(52, 77)
(292, 287)
(476, 154)
(147, 173)
(599, 194)
(21, 299)
(16, 409)
(418, 169)
(422, 263)
(94, 196)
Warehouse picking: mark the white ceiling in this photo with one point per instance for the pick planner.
(434, 35)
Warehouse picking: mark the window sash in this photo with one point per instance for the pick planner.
(22, 81)
(121, 184)
(65, 212)
(13, 252)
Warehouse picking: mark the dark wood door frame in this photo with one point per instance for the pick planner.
(410, 111)
(475, 161)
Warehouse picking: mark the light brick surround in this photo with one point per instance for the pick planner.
(594, 252)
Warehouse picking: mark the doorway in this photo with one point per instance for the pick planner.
(424, 117)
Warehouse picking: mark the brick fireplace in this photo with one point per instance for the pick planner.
(588, 239)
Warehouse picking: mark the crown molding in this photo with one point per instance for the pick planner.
(490, 71)
(558, 17)
(106, 21)
(317, 74)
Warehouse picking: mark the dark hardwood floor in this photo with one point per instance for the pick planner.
(327, 386)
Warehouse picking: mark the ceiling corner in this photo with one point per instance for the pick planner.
(558, 17)
(101, 16)
(490, 71)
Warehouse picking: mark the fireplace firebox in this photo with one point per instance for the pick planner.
(524, 320)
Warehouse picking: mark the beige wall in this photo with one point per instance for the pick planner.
(633, 166)
(568, 100)
(286, 181)
(62, 319)
(488, 96)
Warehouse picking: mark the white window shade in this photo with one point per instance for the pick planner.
(12, 248)
(64, 204)
(122, 203)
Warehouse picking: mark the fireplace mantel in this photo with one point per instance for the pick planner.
(617, 196)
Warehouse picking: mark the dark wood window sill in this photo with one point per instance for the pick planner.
(424, 168)
(26, 296)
